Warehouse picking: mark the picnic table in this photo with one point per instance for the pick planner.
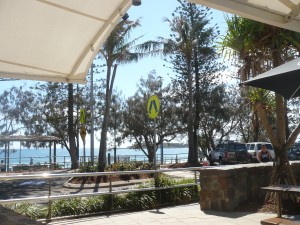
(279, 190)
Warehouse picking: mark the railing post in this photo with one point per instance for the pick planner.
(110, 196)
(49, 201)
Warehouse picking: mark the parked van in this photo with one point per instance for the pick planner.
(254, 147)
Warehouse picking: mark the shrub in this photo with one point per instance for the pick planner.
(129, 201)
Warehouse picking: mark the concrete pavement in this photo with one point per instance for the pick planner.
(176, 215)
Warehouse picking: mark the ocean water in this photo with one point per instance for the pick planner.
(43, 155)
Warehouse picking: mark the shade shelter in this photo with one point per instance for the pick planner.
(54, 40)
(284, 79)
(279, 13)
(6, 139)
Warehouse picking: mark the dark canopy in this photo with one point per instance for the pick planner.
(284, 79)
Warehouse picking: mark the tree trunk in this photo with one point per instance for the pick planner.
(71, 133)
(191, 155)
(103, 140)
(281, 172)
(197, 110)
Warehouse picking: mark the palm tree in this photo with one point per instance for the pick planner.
(239, 44)
(272, 45)
(118, 49)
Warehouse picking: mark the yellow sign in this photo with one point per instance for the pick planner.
(153, 107)
(82, 133)
(82, 116)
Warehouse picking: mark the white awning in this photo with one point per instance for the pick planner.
(57, 40)
(54, 40)
(280, 13)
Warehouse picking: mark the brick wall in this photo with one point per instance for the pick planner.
(224, 188)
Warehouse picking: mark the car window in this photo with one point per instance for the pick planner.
(231, 147)
(258, 147)
(240, 147)
(250, 146)
(269, 147)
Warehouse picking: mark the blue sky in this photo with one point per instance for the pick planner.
(151, 13)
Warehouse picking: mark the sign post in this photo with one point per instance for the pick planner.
(153, 108)
(83, 132)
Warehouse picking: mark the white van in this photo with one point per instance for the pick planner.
(254, 147)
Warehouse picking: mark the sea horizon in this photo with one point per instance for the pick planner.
(40, 156)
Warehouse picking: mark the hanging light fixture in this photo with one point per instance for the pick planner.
(125, 17)
(136, 2)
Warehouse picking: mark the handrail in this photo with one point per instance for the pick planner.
(49, 176)
(61, 175)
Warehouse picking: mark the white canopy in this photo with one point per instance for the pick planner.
(54, 40)
(280, 13)
(57, 40)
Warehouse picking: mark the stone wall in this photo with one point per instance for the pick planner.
(225, 187)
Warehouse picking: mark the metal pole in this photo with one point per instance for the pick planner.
(92, 114)
(49, 200)
(20, 154)
(7, 169)
(84, 155)
(78, 130)
(50, 157)
(115, 145)
(154, 144)
(161, 153)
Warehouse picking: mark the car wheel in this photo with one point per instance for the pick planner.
(220, 161)
(211, 163)
(242, 156)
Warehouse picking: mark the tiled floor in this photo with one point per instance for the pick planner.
(179, 215)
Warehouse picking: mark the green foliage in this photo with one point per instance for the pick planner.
(34, 211)
(141, 200)
(129, 166)
(94, 204)
(74, 206)
(137, 124)
(263, 96)
(178, 195)
(131, 201)
(87, 168)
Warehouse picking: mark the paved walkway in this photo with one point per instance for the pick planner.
(179, 215)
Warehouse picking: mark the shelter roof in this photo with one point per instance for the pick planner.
(54, 40)
(280, 13)
(29, 138)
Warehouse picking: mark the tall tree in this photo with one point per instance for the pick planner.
(194, 59)
(138, 125)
